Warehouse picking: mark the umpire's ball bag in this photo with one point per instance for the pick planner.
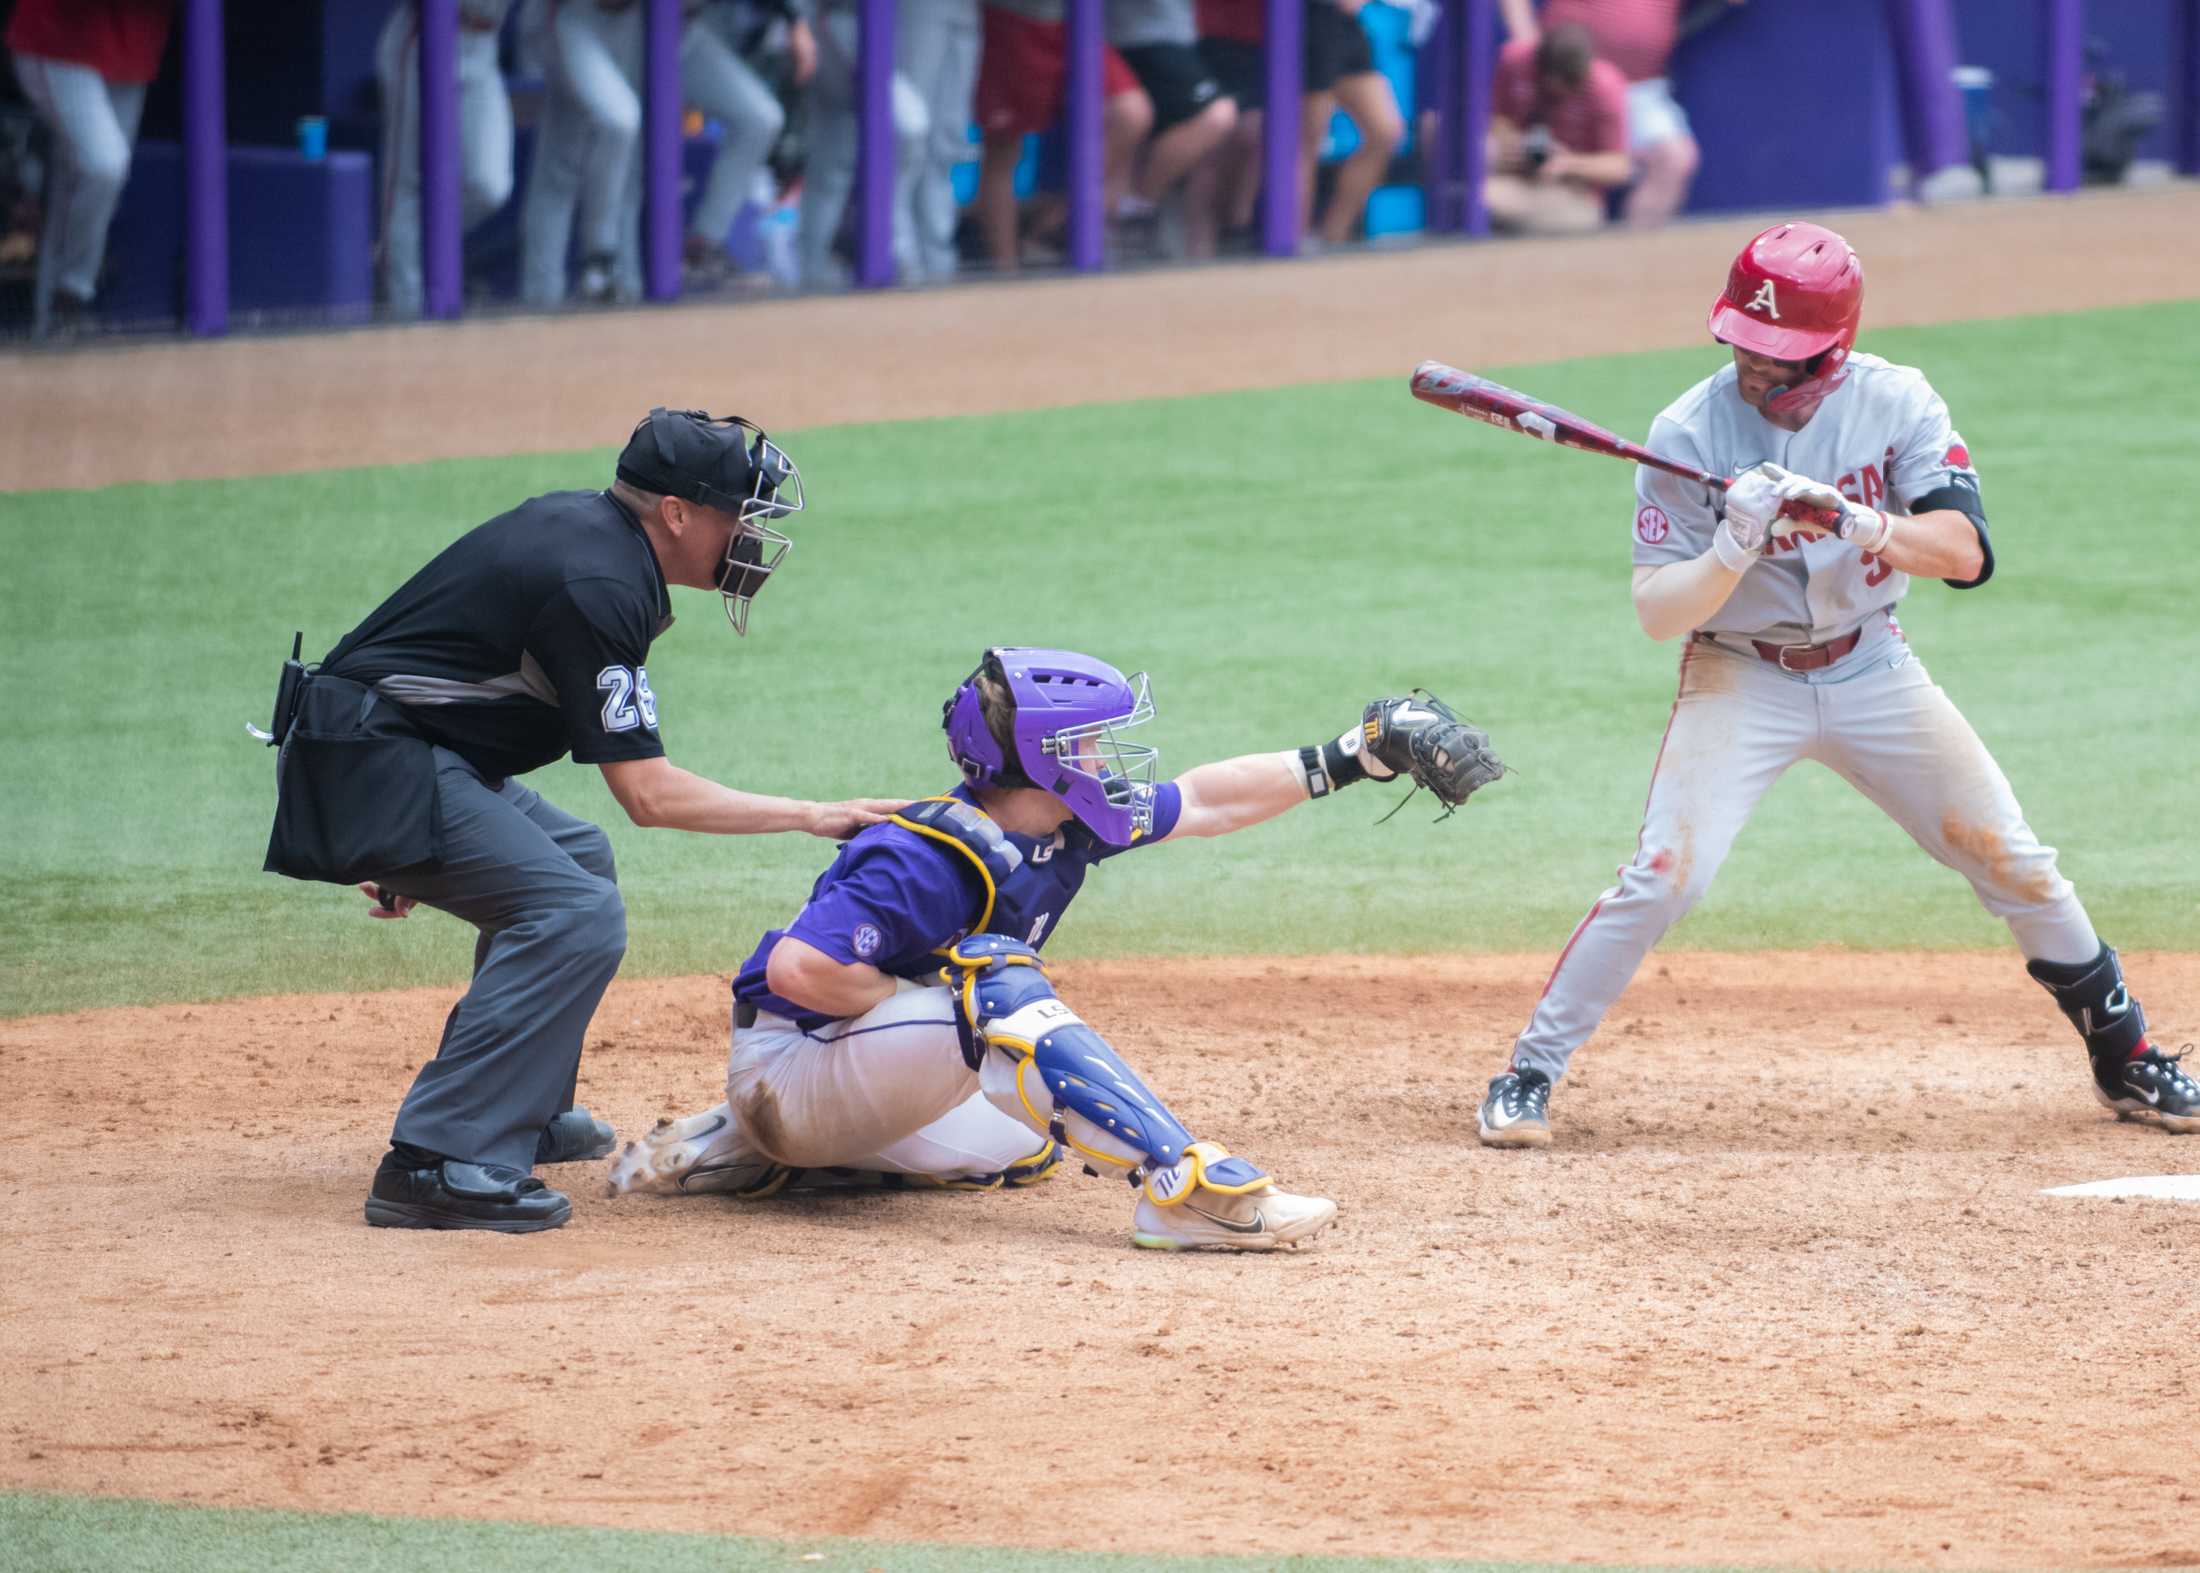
(354, 788)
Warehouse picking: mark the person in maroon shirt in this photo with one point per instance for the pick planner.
(85, 65)
(1638, 37)
(1558, 135)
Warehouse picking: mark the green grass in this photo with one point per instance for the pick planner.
(1274, 559)
(54, 1534)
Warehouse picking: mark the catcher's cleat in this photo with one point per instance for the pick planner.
(1517, 1111)
(1254, 1220)
(576, 1136)
(700, 1153)
(2150, 1086)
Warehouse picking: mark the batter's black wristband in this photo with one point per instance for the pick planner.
(1326, 768)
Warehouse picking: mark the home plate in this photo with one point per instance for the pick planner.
(2171, 1187)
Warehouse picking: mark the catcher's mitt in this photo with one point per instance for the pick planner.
(1418, 735)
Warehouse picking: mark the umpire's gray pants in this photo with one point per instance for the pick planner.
(540, 887)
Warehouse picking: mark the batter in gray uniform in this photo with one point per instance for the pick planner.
(1793, 652)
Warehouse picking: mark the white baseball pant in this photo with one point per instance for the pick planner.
(94, 124)
(587, 146)
(716, 80)
(1878, 720)
(887, 1090)
(484, 146)
(830, 134)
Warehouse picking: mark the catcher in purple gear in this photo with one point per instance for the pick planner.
(901, 1028)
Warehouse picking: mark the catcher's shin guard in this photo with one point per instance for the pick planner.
(1038, 1061)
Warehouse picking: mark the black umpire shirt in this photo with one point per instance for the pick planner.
(525, 639)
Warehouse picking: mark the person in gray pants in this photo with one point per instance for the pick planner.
(523, 641)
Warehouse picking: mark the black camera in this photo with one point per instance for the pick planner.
(1536, 147)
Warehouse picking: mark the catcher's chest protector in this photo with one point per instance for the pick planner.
(1026, 882)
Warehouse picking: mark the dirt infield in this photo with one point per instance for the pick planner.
(532, 384)
(1787, 1292)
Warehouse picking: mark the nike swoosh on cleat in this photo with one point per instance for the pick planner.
(1497, 1119)
(2147, 1093)
(1257, 1226)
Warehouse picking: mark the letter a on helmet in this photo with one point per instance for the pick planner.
(1795, 293)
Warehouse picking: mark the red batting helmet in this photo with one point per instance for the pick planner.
(1795, 293)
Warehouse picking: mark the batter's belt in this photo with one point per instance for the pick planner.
(1800, 657)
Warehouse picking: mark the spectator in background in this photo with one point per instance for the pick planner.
(85, 65)
(1023, 73)
(1340, 74)
(1192, 115)
(831, 130)
(591, 124)
(484, 137)
(1637, 36)
(717, 78)
(940, 59)
(588, 151)
(1558, 135)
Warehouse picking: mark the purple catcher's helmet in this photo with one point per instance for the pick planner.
(1071, 712)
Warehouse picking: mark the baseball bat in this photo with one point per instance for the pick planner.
(1508, 409)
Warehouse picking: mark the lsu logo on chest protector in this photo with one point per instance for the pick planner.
(1765, 301)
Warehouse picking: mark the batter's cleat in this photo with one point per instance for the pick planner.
(1517, 1111)
(576, 1136)
(418, 1190)
(2152, 1086)
(1208, 1220)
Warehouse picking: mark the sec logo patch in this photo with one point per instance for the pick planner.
(867, 940)
(1651, 525)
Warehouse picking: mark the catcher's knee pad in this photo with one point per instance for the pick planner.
(2093, 995)
(1040, 1062)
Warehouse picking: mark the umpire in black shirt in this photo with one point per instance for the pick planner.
(526, 639)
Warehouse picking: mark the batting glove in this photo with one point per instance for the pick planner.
(1866, 529)
(1752, 503)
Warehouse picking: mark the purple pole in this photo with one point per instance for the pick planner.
(1286, 84)
(661, 149)
(1436, 86)
(2061, 31)
(205, 171)
(1923, 33)
(439, 239)
(1476, 54)
(875, 144)
(1087, 156)
(2186, 89)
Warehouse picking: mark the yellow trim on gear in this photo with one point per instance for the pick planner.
(1046, 1121)
(1199, 1155)
(944, 839)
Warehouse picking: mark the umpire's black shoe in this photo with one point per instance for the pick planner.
(1516, 1112)
(418, 1190)
(574, 1137)
(2150, 1085)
